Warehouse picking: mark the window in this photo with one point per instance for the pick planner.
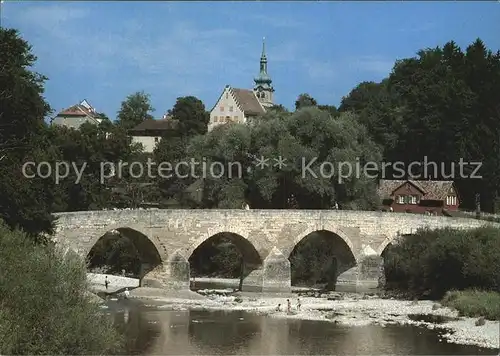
(231, 109)
(227, 95)
(215, 119)
(222, 108)
(413, 199)
(400, 199)
(451, 200)
(235, 118)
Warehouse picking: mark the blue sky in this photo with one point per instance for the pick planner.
(103, 51)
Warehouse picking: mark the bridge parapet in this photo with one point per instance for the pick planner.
(257, 232)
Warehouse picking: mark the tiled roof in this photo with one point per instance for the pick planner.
(248, 102)
(77, 110)
(432, 189)
(157, 125)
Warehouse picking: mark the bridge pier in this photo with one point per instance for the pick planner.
(173, 275)
(365, 276)
(273, 276)
(276, 273)
(252, 278)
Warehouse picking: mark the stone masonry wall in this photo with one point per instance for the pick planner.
(177, 233)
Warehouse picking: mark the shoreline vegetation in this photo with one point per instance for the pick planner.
(461, 268)
(474, 303)
(45, 305)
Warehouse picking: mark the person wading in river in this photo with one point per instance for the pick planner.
(106, 282)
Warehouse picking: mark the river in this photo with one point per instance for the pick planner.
(153, 331)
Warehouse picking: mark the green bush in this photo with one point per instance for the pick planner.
(432, 262)
(474, 303)
(44, 307)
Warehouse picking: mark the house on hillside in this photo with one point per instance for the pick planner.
(240, 105)
(235, 105)
(77, 115)
(149, 132)
(419, 196)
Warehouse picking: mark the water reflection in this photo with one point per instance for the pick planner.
(155, 332)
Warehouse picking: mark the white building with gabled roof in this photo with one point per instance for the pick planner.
(239, 105)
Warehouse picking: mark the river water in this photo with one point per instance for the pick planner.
(152, 331)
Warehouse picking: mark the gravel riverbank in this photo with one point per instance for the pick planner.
(340, 308)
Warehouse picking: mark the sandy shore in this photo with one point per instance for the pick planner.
(344, 309)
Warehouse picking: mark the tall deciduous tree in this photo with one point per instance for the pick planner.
(191, 116)
(305, 100)
(304, 140)
(135, 109)
(441, 105)
(23, 202)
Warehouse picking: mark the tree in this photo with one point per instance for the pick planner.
(331, 109)
(191, 116)
(379, 110)
(278, 108)
(45, 304)
(307, 135)
(135, 109)
(305, 100)
(439, 105)
(23, 203)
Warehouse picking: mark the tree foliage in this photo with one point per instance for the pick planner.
(308, 135)
(430, 263)
(441, 105)
(305, 100)
(22, 112)
(191, 116)
(44, 306)
(135, 109)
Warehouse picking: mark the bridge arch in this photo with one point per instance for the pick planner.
(319, 256)
(249, 249)
(240, 258)
(137, 230)
(329, 229)
(148, 252)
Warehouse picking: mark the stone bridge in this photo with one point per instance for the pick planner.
(166, 239)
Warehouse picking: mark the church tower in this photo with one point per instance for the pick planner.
(263, 87)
